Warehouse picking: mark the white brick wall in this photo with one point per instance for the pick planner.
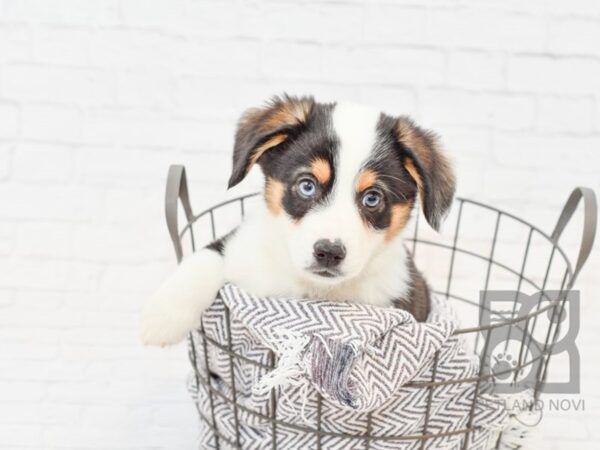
(98, 97)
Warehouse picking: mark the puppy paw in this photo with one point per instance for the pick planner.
(164, 325)
(176, 308)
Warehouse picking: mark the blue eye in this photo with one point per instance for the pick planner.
(371, 199)
(307, 188)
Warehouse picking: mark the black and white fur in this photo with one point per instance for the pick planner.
(343, 242)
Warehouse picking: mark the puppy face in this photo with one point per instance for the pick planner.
(341, 180)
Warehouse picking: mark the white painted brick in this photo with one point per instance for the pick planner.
(61, 45)
(292, 60)
(208, 98)
(444, 107)
(582, 8)
(139, 279)
(211, 99)
(15, 42)
(63, 12)
(119, 324)
(40, 300)
(44, 239)
(123, 302)
(55, 123)
(95, 437)
(326, 92)
(515, 6)
(21, 435)
(19, 391)
(151, 130)
(466, 143)
(158, 13)
(232, 58)
(476, 70)
(391, 23)
(8, 234)
(131, 166)
(28, 201)
(512, 112)
(13, 335)
(104, 415)
(6, 151)
(123, 47)
(43, 162)
(447, 107)
(144, 88)
(27, 9)
(206, 19)
(402, 65)
(9, 120)
(37, 351)
(211, 167)
(475, 28)
(565, 114)
(134, 370)
(7, 298)
(524, 150)
(110, 243)
(394, 101)
(310, 21)
(95, 335)
(48, 274)
(54, 84)
(169, 414)
(44, 414)
(546, 74)
(125, 206)
(106, 391)
(574, 36)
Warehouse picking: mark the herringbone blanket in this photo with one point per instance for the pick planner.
(356, 367)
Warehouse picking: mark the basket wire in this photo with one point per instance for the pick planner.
(479, 334)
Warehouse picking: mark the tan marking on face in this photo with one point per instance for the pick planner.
(414, 173)
(366, 179)
(431, 158)
(272, 142)
(416, 140)
(274, 191)
(321, 169)
(400, 216)
(289, 113)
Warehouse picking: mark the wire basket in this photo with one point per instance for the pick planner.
(487, 251)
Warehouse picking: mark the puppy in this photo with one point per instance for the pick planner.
(341, 183)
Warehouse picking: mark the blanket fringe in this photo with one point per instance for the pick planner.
(290, 368)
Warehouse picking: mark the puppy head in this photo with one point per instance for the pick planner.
(341, 180)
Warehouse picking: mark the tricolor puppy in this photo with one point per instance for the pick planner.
(341, 182)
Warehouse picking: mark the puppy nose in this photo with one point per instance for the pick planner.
(328, 253)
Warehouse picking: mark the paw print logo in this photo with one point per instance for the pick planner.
(553, 332)
(504, 366)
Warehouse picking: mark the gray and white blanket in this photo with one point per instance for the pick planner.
(356, 367)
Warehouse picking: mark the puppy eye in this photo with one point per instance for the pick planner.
(371, 199)
(307, 188)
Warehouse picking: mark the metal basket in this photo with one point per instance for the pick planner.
(479, 256)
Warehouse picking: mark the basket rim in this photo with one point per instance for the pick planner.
(498, 324)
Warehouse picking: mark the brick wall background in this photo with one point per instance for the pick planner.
(97, 98)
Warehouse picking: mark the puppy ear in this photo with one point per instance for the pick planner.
(428, 166)
(262, 129)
